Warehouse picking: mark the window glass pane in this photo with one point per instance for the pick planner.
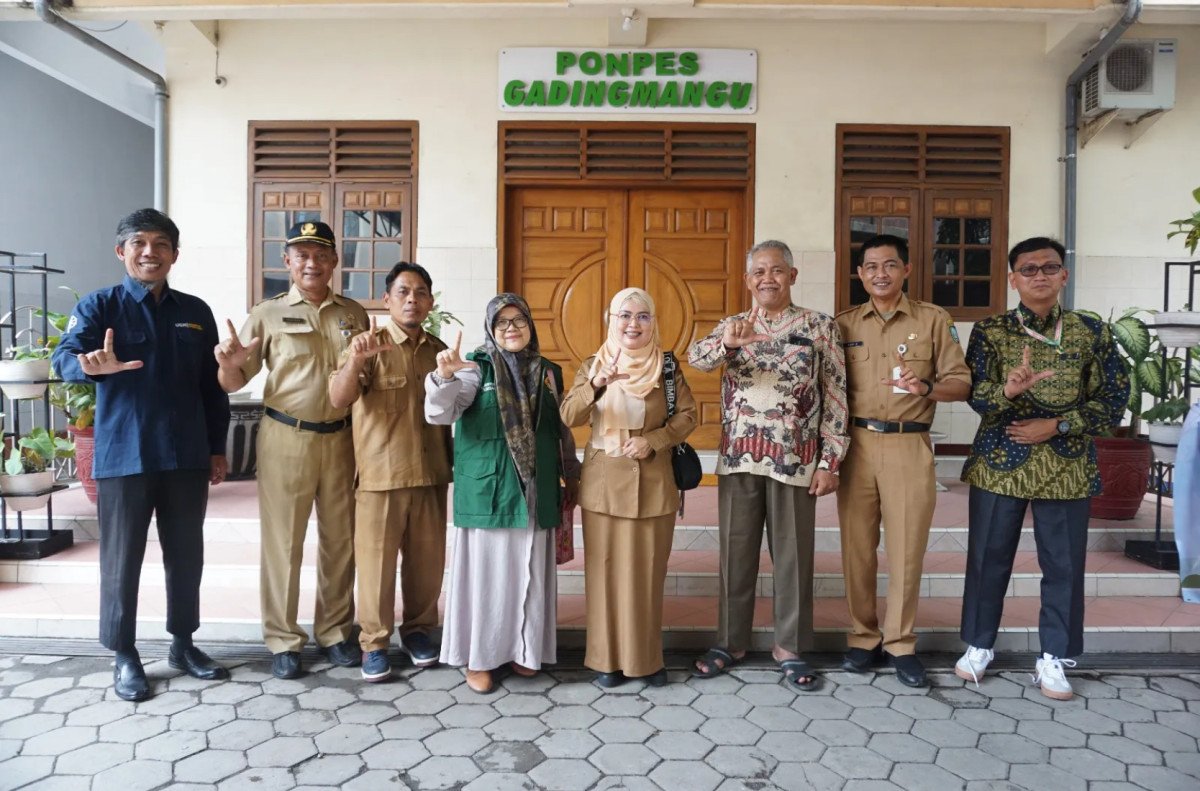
(305, 216)
(356, 224)
(946, 230)
(945, 262)
(380, 289)
(356, 285)
(896, 226)
(387, 223)
(977, 262)
(274, 224)
(272, 254)
(855, 258)
(862, 228)
(858, 294)
(977, 293)
(387, 254)
(945, 293)
(356, 255)
(274, 283)
(978, 231)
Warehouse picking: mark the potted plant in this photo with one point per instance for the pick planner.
(438, 317)
(1181, 328)
(76, 400)
(29, 468)
(25, 371)
(1165, 418)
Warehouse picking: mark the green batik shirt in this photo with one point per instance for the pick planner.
(1089, 389)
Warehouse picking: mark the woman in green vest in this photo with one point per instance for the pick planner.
(511, 453)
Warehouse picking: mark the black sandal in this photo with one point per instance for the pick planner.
(799, 674)
(718, 661)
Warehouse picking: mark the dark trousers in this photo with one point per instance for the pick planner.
(179, 499)
(1060, 530)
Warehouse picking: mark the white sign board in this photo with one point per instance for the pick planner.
(554, 80)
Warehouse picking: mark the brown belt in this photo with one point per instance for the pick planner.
(890, 427)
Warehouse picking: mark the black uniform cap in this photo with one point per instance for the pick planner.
(315, 232)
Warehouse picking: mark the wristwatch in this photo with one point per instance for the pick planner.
(1064, 427)
(928, 384)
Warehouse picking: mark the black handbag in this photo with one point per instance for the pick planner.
(685, 462)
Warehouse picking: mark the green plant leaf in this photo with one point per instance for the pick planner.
(1149, 374)
(1133, 337)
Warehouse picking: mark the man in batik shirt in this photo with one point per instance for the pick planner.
(1046, 381)
(783, 436)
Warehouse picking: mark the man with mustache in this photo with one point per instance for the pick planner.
(305, 450)
(902, 356)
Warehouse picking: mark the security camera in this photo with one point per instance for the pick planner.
(221, 82)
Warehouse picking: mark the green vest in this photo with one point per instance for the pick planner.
(487, 489)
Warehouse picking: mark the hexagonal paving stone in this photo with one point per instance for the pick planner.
(722, 706)
(14, 707)
(861, 695)
(772, 694)
(168, 703)
(1127, 751)
(509, 757)
(902, 747)
(921, 707)
(624, 759)
(93, 758)
(882, 720)
(210, 766)
(204, 717)
(133, 776)
(347, 739)
(69, 701)
(821, 707)
(308, 722)
(777, 718)
(571, 717)
(328, 770)
(457, 741)
(622, 730)
(675, 693)
(568, 744)
(1121, 710)
(971, 763)
(680, 746)
(325, 699)
(522, 705)
(1088, 764)
(674, 718)
(101, 713)
(366, 713)
(856, 762)
(791, 747)
(499, 781)
(240, 735)
(265, 707)
(685, 776)
(1176, 687)
(42, 687)
(1159, 737)
(1187, 763)
(836, 733)
(575, 694)
(281, 752)
(415, 727)
(621, 706)
(398, 754)
(134, 728)
(440, 678)
(171, 746)
(59, 741)
(806, 777)
(1045, 776)
(259, 779)
(443, 772)
(31, 725)
(984, 721)
(1021, 709)
(515, 729)
(1014, 748)
(926, 777)
(1052, 734)
(564, 774)
(532, 684)
(731, 732)
(230, 692)
(424, 702)
(741, 761)
(25, 769)
(467, 715)
(72, 783)
(1086, 721)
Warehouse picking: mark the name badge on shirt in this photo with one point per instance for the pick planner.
(799, 340)
(188, 325)
(294, 320)
(489, 387)
(849, 344)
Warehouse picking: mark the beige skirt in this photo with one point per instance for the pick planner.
(625, 567)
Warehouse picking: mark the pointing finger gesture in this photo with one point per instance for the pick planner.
(907, 380)
(450, 361)
(104, 361)
(231, 353)
(1023, 377)
(609, 373)
(740, 332)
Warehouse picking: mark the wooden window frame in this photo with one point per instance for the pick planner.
(339, 169)
(921, 167)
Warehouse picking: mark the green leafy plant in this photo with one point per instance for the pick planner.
(439, 318)
(35, 452)
(1188, 227)
(1168, 384)
(77, 400)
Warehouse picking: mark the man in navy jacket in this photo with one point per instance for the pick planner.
(161, 422)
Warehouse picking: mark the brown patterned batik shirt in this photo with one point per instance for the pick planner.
(783, 401)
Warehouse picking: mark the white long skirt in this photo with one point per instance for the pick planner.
(501, 599)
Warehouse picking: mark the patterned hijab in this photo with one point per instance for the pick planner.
(518, 385)
(623, 405)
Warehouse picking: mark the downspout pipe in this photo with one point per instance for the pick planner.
(1133, 9)
(48, 15)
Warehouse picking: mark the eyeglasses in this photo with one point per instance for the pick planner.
(891, 267)
(520, 322)
(1046, 269)
(641, 318)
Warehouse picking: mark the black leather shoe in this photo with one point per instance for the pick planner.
(343, 654)
(658, 678)
(129, 680)
(860, 660)
(909, 670)
(196, 664)
(610, 680)
(286, 664)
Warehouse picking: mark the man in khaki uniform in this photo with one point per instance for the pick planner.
(305, 450)
(902, 356)
(403, 473)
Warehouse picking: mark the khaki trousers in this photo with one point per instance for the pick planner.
(410, 522)
(889, 477)
(744, 502)
(625, 568)
(296, 468)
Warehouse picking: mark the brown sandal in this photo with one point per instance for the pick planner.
(480, 681)
(521, 670)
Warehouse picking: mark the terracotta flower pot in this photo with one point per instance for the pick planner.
(85, 451)
(1124, 475)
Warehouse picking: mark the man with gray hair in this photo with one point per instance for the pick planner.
(783, 437)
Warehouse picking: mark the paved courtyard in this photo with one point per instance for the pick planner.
(62, 728)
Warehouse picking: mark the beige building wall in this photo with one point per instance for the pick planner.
(812, 75)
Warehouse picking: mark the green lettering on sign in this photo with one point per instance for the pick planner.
(618, 93)
(558, 93)
(716, 94)
(689, 64)
(536, 97)
(642, 61)
(563, 61)
(645, 94)
(514, 93)
(664, 63)
(590, 63)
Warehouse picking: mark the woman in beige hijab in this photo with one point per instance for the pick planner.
(628, 492)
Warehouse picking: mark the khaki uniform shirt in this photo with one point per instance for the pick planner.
(393, 445)
(932, 352)
(300, 346)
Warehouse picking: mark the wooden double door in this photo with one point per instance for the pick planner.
(568, 251)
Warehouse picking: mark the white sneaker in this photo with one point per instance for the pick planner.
(1052, 678)
(972, 664)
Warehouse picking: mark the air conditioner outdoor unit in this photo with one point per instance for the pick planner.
(1136, 77)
